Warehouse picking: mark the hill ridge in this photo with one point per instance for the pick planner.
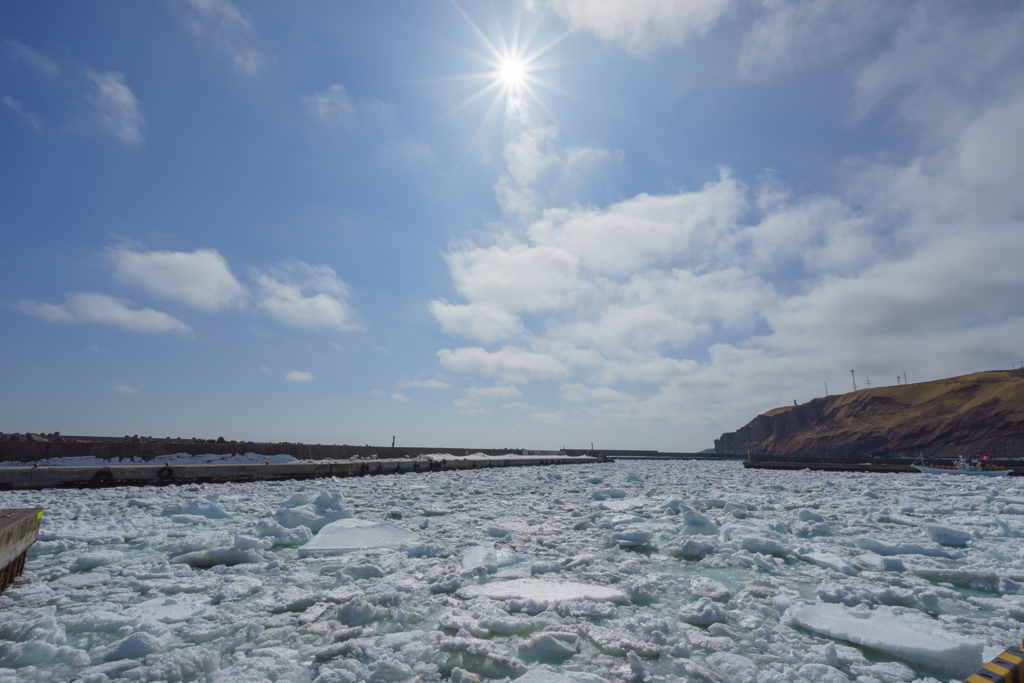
(981, 411)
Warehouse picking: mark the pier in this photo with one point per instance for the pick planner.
(16, 477)
(19, 529)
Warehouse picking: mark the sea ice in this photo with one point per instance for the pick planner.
(904, 633)
(348, 535)
(542, 591)
(512, 564)
(328, 507)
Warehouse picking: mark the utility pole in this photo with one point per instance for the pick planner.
(905, 377)
(897, 380)
(826, 388)
(854, 380)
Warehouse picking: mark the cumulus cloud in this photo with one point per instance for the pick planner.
(298, 294)
(38, 61)
(704, 307)
(482, 322)
(537, 172)
(788, 34)
(334, 105)
(510, 363)
(106, 310)
(426, 384)
(401, 398)
(298, 377)
(229, 29)
(642, 26)
(116, 109)
(200, 279)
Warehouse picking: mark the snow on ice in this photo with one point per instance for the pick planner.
(667, 571)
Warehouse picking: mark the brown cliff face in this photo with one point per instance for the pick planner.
(979, 412)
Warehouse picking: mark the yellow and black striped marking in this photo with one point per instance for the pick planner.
(1006, 668)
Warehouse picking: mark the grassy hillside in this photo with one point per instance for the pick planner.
(983, 411)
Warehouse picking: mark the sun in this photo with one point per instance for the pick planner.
(513, 73)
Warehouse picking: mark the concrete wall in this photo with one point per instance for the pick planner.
(32, 451)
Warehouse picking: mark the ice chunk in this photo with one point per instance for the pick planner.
(93, 560)
(167, 610)
(605, 494)
(702, 613)
(631, 538)
(709, 588)
(543, 591)
(347, 535)
(211, 557)
(823, 673)
(944, 535)
(806, 515)
(551, 644)
(690, 549)
(904, 633)
(328, 507)
(545, 676)
(135, 646)
(825, 558)
(281, 536)
(482, 657)
(904, 545)
(200, 507)
(735, 668)
(695, 523)
(488, 557)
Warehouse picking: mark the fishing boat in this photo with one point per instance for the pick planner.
(962, 465)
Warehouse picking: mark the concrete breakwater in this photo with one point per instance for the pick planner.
(34, 451)
(70, 476)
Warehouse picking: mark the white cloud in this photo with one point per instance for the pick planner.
(426, 384)
(401, 398)
(580, 393)
(482, 322)
(200, 279)
(499, 392)
(537, 173)
(642, 26)
(38, 61)
(125, 388)
(334, 105)
(511, 364)
(515, 278)
(308, 296)
(298, 377)
(229, 29)
(107, 310)
(548, 417)
(473, 412)
(696, 310)
(32, 118)
(515, 405)
(116, 109)
(789, 34)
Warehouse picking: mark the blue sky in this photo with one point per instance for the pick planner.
(341, 222)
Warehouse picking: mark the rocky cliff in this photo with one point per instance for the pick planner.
(982, 412)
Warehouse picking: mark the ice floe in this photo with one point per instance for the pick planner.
(702, 571)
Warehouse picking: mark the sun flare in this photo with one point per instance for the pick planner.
(513, 72)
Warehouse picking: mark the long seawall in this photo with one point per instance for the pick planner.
(16, 477)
